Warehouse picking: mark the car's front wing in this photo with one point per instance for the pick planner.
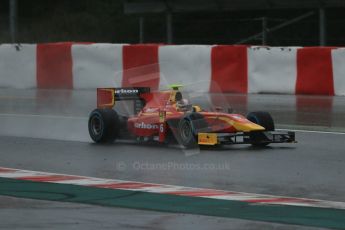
(246, 138)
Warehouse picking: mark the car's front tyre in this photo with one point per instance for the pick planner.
(188, 129)
(265, 120)
(186, 134)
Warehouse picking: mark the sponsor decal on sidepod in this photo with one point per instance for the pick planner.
(142, 125)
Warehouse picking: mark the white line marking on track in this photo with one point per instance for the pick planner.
(312, 131)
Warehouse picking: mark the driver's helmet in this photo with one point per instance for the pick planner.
(183, 105)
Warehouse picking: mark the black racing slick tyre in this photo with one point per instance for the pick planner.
(265, 120)
(104, 125)
(188, 129)
(262, 118)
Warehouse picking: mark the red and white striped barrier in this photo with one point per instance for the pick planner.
(229, 66)
(18, 68)
(96, 65)
(338, 66)
(272, 70)
(186, 64)
(165, 189)
(202, 68)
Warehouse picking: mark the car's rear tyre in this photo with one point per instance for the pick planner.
(188, 129)
(265, 120)
(103, 125)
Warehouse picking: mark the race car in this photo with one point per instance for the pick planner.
(166, 116)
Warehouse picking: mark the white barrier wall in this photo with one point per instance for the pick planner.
(18, 66)
(272, 70)
(97, 65)
(189, 65)
(338, 63)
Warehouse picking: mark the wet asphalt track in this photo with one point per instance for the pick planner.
(313, 168)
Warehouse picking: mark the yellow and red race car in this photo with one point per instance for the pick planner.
(166, 116)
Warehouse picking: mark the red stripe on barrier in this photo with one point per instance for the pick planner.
(229, 69)
(54, 66)
(314, 71)
(199, 193)
(125, 185)
(49, 178)
(140, 66)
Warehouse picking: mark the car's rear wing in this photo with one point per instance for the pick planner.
(106, 97)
